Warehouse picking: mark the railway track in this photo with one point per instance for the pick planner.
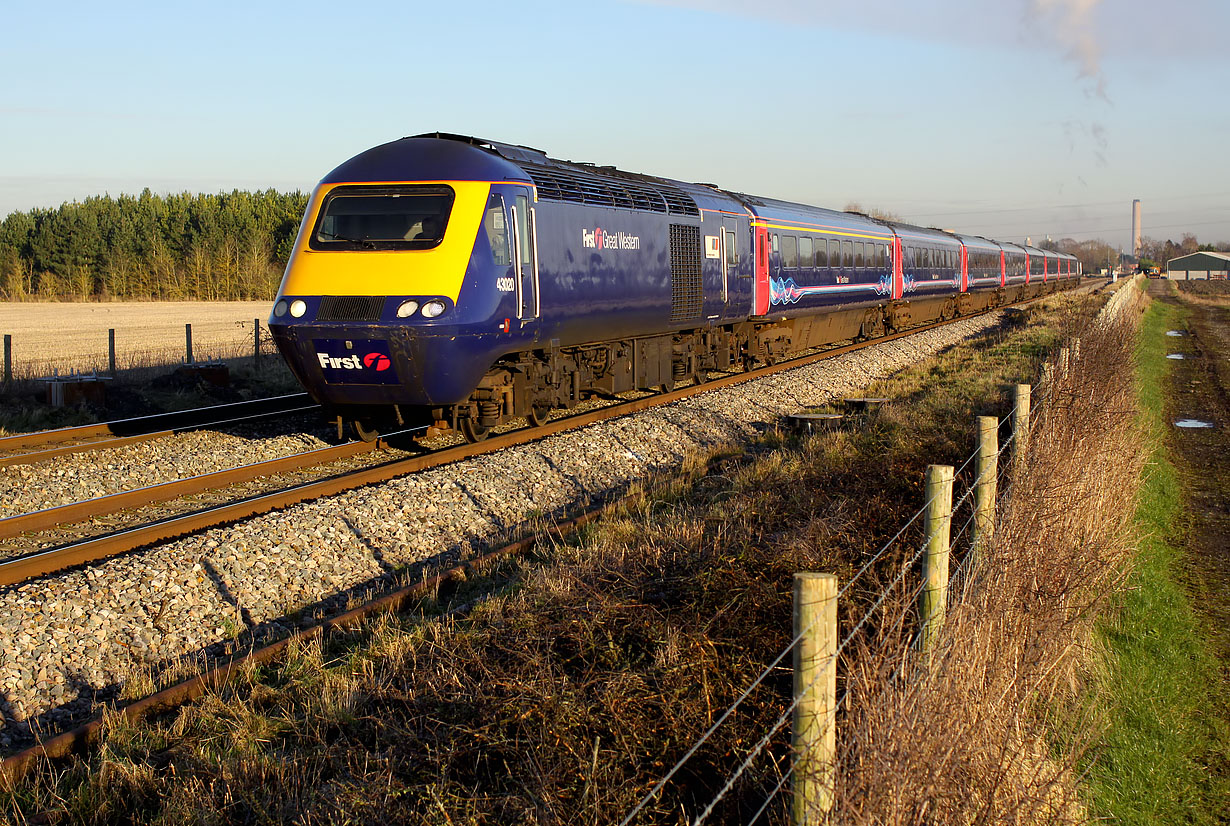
(28, 448)
(89, 531)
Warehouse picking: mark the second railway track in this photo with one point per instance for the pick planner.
(45, 445)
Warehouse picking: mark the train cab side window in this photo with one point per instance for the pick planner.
(790, 251)
(497, 231)
(847, 254)
(732, 251)
(523, 231)
(805, 253)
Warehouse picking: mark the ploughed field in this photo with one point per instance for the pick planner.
(1199, 390)
(66, 337)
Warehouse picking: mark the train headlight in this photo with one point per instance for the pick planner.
(407, 308)
(279, 309)
(298, 307)
(433, 308)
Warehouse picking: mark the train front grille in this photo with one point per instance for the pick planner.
(350, 308)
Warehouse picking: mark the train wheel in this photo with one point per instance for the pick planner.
(365, 430)
(473, 431)
(538, 416)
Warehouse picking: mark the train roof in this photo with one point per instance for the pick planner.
(813, 218)
(978, 242)
(427, 159)
(914, 232)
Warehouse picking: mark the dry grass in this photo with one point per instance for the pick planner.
(67, 337)
(967, 734)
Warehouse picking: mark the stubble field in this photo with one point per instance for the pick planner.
(65, 337)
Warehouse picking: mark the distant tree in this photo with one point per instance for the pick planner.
(212, 247)
(874, 212)
(1188, 244)
(1094, 255)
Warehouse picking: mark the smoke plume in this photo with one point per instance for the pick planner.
(1071, 24)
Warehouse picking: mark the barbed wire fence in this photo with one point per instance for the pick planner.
(973, 531)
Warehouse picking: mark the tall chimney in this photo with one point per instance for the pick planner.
(1136, 227)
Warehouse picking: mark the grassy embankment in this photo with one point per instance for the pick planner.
(578, 677)
(1163, 755)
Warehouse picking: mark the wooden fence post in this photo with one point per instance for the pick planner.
(933, 601)
(1020, 425)
(111, 351)
(988, 477)
(8, 358)
(188, 337)
(256, 343)
(815, 688)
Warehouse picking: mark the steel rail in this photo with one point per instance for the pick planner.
(154, 426)
(123, 441)
(51, 560)
(166, 491)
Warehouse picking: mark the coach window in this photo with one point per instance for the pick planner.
(847, 254)
(884, 256)
(732, 252)
(497, 230)
(805, 253)
(790, 252)
(822, 252)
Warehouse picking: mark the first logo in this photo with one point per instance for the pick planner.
(378, 360)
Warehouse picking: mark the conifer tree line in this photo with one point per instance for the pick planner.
(221, 247)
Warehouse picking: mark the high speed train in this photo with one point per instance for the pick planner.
(453, 282)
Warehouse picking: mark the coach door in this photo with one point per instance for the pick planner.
(525, 245)
(762, 271)
(729, 247)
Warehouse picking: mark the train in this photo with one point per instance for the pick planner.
(451, 283)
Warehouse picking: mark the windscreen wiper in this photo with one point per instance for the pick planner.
(363, 242)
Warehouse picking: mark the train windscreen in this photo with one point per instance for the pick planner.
(383, 218)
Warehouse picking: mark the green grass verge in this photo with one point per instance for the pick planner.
(1161, 687)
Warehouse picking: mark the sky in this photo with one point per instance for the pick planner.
(1007, 118)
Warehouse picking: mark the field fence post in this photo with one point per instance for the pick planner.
(256, 343)
(1020, 425)
(814, 737)
(188, 337)
(8, 359)
(111, 352)
(933, 600)
(986, 490)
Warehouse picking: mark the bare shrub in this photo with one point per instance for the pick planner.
(960, 735)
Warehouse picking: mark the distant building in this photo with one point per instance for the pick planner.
(1198, 265)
